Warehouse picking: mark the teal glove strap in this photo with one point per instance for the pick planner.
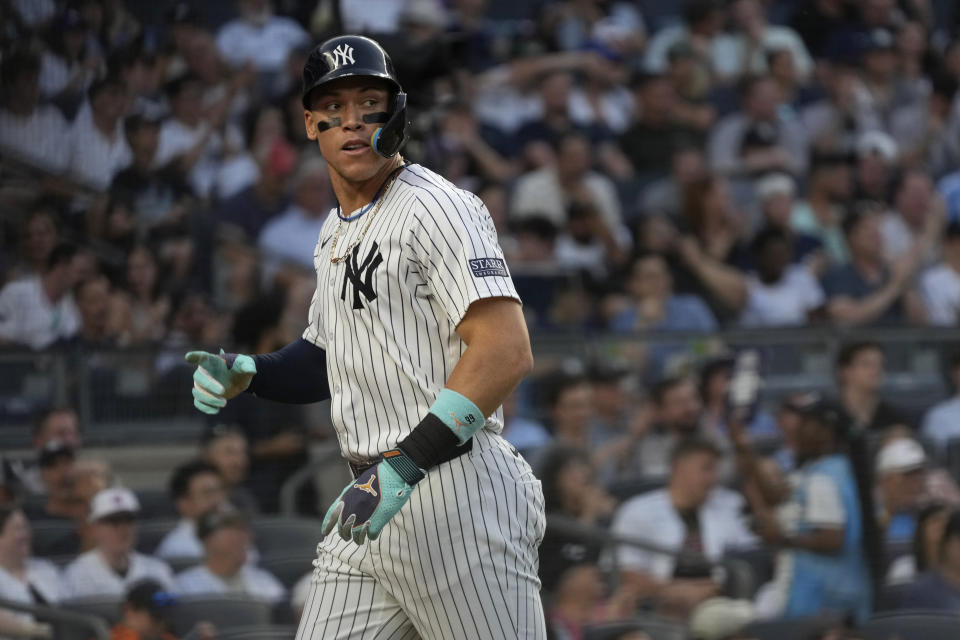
(459, 413)
(367, 504)
(214, 382)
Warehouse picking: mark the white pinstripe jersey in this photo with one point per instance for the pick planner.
(387, 315)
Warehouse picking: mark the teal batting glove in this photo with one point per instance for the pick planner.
(368, 503)
(219, 378)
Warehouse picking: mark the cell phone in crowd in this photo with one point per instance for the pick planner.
(745, 384)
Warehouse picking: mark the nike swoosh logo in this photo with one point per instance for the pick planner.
(324, 242)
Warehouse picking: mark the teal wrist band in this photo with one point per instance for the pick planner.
(459, 413)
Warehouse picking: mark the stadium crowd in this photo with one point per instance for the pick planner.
(649, 167)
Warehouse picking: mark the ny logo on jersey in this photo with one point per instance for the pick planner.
(360, 274)
(341, 55)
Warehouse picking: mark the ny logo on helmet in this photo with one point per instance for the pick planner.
(342, 55)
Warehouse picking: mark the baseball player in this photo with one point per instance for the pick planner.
(437, 534)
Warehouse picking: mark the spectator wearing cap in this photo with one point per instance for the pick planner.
(900, 476)
(146, 612)
(860, 371)
(824, 532)
(23, 578)
(225, 533)
(883, 89)
(865, 291)
(259, 37)
(877, 158)
(30, 132)
(98, 147)
(758, 138)
(55, 463)
(72, 61)
(113, 565)
(820, 215)
(915, 225)
(939, 589)
(693, 521)
(744, 52)
(290, 238)
(38, 311)
(195, 488)
(788, 418)
(835, 123)
(776, 197)
(58, 424)
(226, 447)
(941, 424)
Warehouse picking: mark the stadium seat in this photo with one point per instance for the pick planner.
(224, 612)
(280, 536)
(54, 537)
(151, 532)
(287, 569)
(108, 608)
(928, 625)
(789, 629)
(654, 626)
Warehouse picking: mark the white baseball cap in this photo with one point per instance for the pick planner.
(903, 454)
(717, 618)
(878, 143)
(775, 184)
(112, 501)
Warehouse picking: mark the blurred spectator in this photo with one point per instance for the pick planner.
(678, 411)
(29, 131)
(865, 291)
(745, 51)
(38, 238)
(226, 448)
(654, 305)
(925, 554)
(860, 373)
(665, 196)
(758, 138)
(939, 587)
(711, 217)
(259, 37)
(113, 565)
(835, 123)
(928, 131)
(715, 377)
(775, 196)
(195, 488)
(224, 89)
(93, 303)
(98, 146)
(691, 517)
(146, 612)
(824, 530)
(702, 23)
(225, 534)
(779, 293)
(877, 157)
(535, 136)
(249, 210)
(570, 407)
(526, 434)
(584, 202)
(579, 599)
(191, 142)
(916, 222)
(55, 461)
(90, 477)
(900, 470)
(657, 133)
(72, 62)
(940, 284)
(291, 237)
(38, 311)
(883, 90)
(788, 419)
(821, 214)
(691, 84)
(941, 424)
(24, 579)
(139, 313)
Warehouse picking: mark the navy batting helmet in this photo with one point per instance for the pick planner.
(346, 56)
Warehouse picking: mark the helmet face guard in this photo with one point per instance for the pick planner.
(357, 56)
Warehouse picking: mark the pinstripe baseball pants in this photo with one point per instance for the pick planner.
(459, 561)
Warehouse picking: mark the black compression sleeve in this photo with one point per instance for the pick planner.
(430, 442)
(296, 374)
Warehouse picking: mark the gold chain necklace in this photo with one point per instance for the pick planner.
(366, 227)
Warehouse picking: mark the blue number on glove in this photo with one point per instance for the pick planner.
(368, 503)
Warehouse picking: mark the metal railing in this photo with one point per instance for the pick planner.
(142, 395)
(75, 622)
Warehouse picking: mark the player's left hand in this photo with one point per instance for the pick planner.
(368, 503)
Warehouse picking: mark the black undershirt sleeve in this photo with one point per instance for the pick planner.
(296, 374)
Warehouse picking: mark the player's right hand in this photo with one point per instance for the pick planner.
(214, 382)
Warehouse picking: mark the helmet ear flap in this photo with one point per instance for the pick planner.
(388, 139)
